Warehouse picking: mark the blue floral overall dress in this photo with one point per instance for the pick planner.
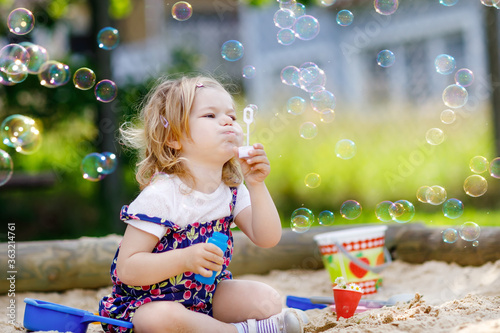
(124, 300)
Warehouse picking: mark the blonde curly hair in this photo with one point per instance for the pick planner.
(163, 118)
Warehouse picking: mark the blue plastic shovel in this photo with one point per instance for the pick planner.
(46, 316)
(320, 302)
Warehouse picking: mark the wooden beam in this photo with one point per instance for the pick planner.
(22, 180)
(60, 264)
(420, 245)
(294, 251)
(85, 262)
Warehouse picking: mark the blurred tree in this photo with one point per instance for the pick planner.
(47, 195)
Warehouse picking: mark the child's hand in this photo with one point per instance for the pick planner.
(256, 167)
(204, 258)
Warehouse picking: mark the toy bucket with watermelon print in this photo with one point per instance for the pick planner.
(356, 254)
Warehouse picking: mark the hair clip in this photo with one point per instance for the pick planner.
(164, 121)
(199, 85)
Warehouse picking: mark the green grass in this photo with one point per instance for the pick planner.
(484, 218)
(393, 160)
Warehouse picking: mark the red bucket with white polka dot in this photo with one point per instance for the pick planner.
(356, 254)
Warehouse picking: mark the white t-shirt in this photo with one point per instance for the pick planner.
(167, 197)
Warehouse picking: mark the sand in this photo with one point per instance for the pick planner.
(447, 298)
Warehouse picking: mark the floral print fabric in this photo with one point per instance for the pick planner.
(124, 300)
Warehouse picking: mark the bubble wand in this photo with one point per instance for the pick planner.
(248, 119)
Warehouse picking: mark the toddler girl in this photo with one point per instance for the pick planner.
(191, 182)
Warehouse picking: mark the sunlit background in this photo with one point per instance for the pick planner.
(370, 111)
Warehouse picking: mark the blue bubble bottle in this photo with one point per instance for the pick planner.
(220, 240)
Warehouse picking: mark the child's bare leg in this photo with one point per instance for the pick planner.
(166, 316)
(238, 300)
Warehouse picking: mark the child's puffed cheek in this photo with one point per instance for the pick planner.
(239, 132)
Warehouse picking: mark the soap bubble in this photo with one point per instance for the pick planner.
(288, 4)
(386, 7)
(326, 218)
(21, 133)
(182, 10)
(284, 18)
(453, 208)
(317, 85)
(402, 211)
(464, 77)
(296, 105)
(476, 243)
(350, 209)
(232, 50)
(84, 78)
(323, 100)
(300, 224)
(306, 27)
(455, 96)
(109, 163)
(345, 149)
(327, 116)
(298, 9)
(448, 3)
(14, 59)
(308, 130)
(311, 78)
(328, 3)
(92, 167)
(490, 3)
(386, 58)
(308, 72)
(6, 167)
(494, 168)
(308, 64)
(478, 164)
(475, 185)
(290, 76)
(13, 53)
(448, 116)
(445, 64)
(5, 79)
(469, 231)
(436, 195)
(312, 180)
(20, 21)
(450, 235)
(286, 36)
(37, 56)
(301, 220)
(422, 193)
(108, 38)
(105, 91)
(248, 72)
(344, 18)
(16, 72)
(434, 136)
(54, 74)
(382, 211)
(254, 107)
(315, 89)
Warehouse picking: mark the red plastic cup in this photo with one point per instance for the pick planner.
(346, 302)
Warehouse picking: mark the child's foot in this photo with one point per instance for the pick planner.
(292, 320)
(287, 321)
